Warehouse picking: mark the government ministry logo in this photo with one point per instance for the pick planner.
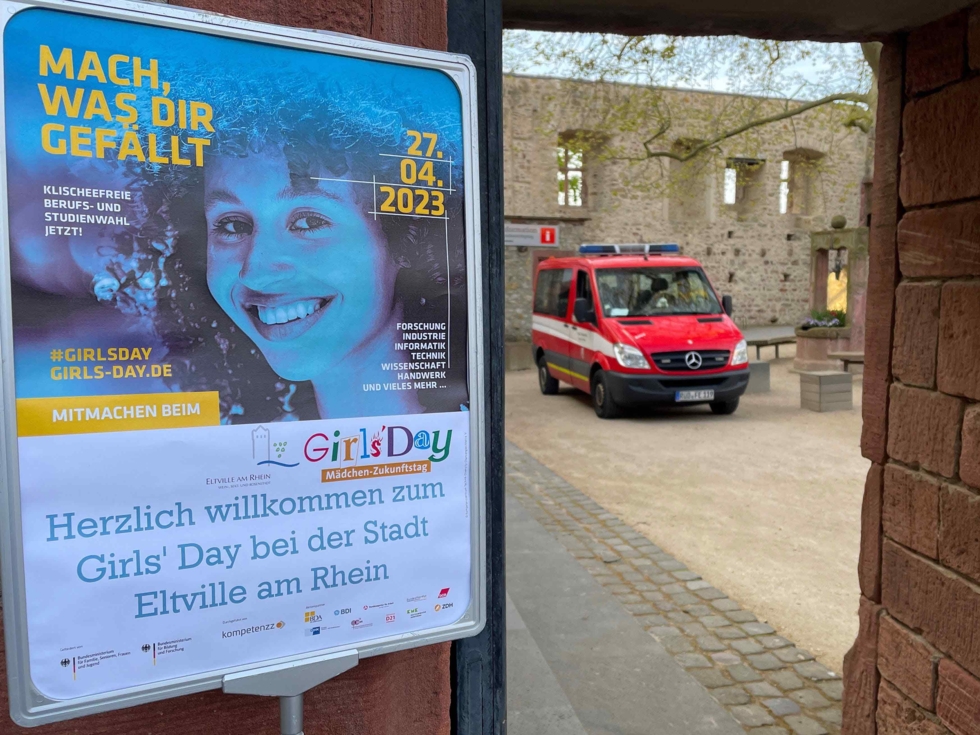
(267, 451)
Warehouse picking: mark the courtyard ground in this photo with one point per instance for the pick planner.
(764, 504)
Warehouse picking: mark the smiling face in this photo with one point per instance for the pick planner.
(296, 263)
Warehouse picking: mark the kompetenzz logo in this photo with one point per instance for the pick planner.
(264, 449)
(390, 442)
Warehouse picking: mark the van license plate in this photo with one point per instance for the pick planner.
(694, 395)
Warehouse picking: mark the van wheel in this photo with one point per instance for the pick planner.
(602, 401)
(548, 385)
(724, 408)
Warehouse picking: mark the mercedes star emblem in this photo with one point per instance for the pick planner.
(693, 360)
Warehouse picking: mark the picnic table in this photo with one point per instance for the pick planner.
(760, 337)
(770, 342)
(847, 358)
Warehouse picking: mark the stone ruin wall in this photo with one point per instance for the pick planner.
(761, 258)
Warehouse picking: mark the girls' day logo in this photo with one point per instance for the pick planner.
(266, 451)
(387, 443)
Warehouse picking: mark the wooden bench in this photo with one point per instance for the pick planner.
(770, 342)
(847, 358)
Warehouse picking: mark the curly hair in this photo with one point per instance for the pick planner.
(352, 130)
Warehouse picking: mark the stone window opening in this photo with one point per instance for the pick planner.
(691, 191)
(571, 170)
(799, 183)
(744, 185)
(784, 187)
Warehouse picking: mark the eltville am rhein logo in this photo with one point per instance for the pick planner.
(263, 448)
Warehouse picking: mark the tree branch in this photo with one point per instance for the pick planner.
(710, 143)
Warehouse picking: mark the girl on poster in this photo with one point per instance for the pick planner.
(292, 296)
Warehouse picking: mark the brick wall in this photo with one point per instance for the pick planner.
(915, 667)
(403, 692)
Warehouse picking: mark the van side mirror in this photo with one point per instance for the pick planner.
(584, 311)
(726, 304)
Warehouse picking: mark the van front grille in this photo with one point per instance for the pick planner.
(681, 362)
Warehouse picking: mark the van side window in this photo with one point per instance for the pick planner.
(544, 291)
(564, 287)
(551, 293)
(583, 288)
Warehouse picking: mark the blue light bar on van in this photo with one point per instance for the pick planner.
(638, 249)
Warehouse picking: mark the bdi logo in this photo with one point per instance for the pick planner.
(342, 611)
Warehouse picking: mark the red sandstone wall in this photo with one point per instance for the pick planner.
(915, 667)
(407, 692)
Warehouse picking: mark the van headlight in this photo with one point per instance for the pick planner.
(630, 357)
(740, 355)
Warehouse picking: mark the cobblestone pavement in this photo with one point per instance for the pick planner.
(768, 684)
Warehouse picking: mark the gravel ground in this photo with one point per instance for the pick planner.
(764, 504)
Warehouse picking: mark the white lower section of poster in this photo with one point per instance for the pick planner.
(157, 554)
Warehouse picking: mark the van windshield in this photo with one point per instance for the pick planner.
(655, 292)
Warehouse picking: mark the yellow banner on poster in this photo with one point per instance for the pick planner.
(136, 412)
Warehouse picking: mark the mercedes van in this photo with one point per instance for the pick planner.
(636, 325)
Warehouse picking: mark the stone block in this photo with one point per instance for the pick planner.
(765, 662)
(908, 661)
(941, 168)
(959, 538)
(958, 699)
(757, 628)
(742, 673)
(970, 447)
(861, 673)
(751, 715)
(899, 715)
(910, 509)
(762, 689)
(882, 254)
(803, 725)
(792, 655)
(833, 715)
(814, 671)
(935, 54)
(833, 689)
(518, 356)
(758, 378)
(933, 600)
(781, 706)
(809, 698)
(786, 680)
(748, 645)
(710, 678)
(869, 555)
(923, 428)
(959, 339)
(940, 243)
(916, 333)
(826, 391)
(731, 695)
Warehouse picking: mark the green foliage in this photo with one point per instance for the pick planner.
(631, 118)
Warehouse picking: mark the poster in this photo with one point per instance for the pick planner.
(239, 304)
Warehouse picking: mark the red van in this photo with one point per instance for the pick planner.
(636, 325)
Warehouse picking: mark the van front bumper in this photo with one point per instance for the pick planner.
(629, 389)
